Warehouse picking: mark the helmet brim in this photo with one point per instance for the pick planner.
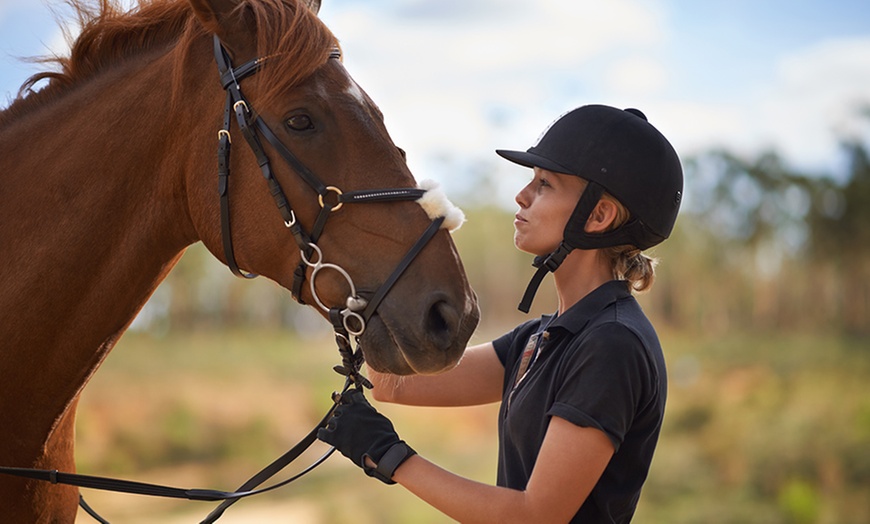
(527, 159)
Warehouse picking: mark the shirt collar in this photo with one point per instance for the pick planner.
(578, 315)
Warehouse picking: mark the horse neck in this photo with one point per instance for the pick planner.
(93, 215)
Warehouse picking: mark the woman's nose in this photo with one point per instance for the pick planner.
(522, 198)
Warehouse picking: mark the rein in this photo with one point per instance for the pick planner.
(348, 322)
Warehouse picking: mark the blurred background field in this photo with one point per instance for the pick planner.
(760, 428)
(762, 305)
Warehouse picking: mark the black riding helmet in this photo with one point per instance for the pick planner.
(617, 151)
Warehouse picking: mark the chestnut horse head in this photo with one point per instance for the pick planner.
(108, 173)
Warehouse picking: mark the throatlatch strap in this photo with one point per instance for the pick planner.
(224, 148)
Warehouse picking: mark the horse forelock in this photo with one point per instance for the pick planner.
(295, 41)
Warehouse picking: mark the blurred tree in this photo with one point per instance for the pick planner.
(839, 225)
(795, 246)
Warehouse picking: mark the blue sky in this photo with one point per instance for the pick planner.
(459, 78)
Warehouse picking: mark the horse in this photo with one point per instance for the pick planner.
(107, 175)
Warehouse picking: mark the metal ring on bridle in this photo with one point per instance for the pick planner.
(346, 316)
(353, 322)
(319, 256)
(340, 270)
(335, 190)
(224, 132)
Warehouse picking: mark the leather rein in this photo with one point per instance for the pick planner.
(348, 321)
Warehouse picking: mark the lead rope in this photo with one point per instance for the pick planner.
(351, 363)
(350, 367)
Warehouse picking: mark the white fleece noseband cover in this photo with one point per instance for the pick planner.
(436, 204)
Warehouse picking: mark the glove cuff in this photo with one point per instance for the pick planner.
(392, 459)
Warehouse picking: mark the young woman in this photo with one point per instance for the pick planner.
(582, 391)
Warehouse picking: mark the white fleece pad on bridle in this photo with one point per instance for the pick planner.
(436, 205)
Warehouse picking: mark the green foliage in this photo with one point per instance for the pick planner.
(799, 502)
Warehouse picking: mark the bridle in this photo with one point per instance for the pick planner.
(357, 311)
(348, 320)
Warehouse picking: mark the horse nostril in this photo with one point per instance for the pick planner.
(436, 321)
(441, 320)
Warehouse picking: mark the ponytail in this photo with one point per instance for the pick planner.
(626, 261)
(629, 263)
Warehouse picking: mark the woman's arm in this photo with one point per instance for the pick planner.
(477, 379)
(569, 465)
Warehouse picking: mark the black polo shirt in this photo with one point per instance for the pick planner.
(598, 365)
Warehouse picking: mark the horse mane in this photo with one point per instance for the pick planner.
(294, 39)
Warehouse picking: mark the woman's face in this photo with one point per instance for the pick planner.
(546, 204)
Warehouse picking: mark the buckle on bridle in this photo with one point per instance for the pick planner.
(243, 104)
(292, 221)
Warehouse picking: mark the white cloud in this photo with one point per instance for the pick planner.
(459, 78)
(462, 78)
(637, 76)
(817, 95)
(812, 101)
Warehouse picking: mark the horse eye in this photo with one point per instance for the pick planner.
(402, 152)
(300, 123)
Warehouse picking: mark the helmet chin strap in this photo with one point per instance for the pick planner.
(550, 263)
(574, 237)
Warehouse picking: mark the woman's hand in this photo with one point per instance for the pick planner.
(366, 437)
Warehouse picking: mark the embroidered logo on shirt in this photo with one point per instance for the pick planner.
(530, 354)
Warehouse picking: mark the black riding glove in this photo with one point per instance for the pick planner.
(358, 431)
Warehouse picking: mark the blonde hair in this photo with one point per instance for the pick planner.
(626, 261)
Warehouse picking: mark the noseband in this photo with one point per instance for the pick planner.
(357, 311)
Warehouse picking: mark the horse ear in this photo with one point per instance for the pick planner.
(215, 15)
(222, 18)
(314, 5)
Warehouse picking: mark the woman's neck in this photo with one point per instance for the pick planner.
(582, 272)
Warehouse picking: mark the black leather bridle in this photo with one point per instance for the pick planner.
(348, 321)
(357, 311)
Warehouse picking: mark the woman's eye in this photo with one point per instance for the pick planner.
(300, 123)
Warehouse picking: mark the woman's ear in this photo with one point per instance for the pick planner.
(602, 217)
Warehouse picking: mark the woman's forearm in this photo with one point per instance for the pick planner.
(476, 379)
(461, 499)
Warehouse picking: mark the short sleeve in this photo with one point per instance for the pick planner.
(603, 381)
